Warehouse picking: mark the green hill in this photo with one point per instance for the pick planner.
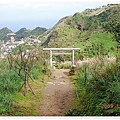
(38, 31)
(3, 32)
(84, 30)
(23, 32)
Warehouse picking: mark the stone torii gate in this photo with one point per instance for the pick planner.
(53, 49)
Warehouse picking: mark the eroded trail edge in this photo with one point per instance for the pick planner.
(58, 94)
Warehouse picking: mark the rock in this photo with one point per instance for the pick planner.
(50, 83)
(47, 95)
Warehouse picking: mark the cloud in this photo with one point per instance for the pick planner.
(54, 1)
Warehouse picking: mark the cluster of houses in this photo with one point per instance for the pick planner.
(7, 47)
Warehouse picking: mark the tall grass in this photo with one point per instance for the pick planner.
(98, 87)
(9, 83)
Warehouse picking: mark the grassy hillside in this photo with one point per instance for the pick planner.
(84, 30)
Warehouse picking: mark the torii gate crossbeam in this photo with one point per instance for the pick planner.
(53, 49)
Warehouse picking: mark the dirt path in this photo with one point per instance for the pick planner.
(58, 95)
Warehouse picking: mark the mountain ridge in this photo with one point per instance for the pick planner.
(73, 27)
(22, 33)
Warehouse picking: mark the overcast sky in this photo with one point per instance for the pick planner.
(16, 14)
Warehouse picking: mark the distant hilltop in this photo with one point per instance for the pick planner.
(22, 33)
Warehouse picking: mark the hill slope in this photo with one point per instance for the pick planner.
(80, 27)
(23, 32)
(38, 31)
(3, 32)
(84, 30)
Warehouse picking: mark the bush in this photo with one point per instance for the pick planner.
(9, 83)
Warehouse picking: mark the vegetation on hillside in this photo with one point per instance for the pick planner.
(78, 28)
(22, 33)
(87, 32)
(3, 33)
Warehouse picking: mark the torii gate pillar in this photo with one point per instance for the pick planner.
(73, 58)
(51, 58)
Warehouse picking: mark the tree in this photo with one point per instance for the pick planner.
(22, 61)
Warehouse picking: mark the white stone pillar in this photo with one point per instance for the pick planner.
(51, 58)
(72, 57)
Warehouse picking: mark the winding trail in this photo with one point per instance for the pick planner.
(58, 94)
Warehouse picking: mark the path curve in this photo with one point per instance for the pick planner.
(58, 94)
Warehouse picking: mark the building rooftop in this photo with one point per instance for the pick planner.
(11, 34)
